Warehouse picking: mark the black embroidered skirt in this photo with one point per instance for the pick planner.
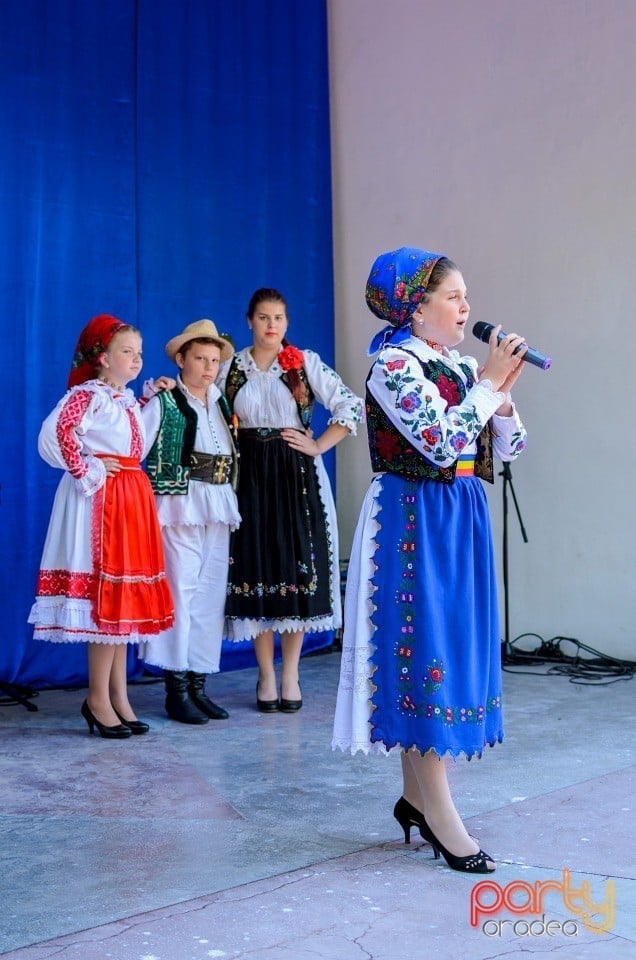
(280, 557)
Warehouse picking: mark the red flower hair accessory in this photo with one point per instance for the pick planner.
(290, 358)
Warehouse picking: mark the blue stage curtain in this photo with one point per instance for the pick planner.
(160, 160)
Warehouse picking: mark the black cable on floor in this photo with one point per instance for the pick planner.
(597, 669)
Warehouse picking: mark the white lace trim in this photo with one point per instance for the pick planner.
(93, 479)
(351, 425)
(237, 630)
(65, 620)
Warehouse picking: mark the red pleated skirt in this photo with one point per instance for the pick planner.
(133, 594)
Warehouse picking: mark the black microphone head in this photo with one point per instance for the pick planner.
(483, 330)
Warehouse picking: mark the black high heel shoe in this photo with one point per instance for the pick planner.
(473, 863)
(290, 706)
(118, 732)
(409, 816)
(135, 726)
(266, 706)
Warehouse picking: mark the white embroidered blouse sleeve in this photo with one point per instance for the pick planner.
(151, 416)
(345, 407)
(60, 441)
(508, 436)
(418, 410)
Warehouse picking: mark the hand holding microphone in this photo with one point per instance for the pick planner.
(483, 331)
(504, 363)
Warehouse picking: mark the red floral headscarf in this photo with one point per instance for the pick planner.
(93, 341)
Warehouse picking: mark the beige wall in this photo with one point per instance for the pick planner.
(503, 133)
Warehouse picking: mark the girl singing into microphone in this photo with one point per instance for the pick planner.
(420, 666)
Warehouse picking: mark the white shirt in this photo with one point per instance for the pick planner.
(265, 400)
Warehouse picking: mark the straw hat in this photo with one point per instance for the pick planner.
(200, 330)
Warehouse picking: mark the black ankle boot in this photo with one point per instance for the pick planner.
(179, 706)
(200, 698)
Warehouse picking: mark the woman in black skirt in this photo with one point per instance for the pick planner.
(283, 573)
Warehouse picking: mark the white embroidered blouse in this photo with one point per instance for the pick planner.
(265, 400)
(91, 418)
(417, 407)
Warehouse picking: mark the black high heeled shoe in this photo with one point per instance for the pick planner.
(290, 706)
(266, 706)
(473, 863)
(409, 816)
(118, 732)
(135, 726)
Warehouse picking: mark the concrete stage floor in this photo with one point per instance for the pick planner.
(250, 838)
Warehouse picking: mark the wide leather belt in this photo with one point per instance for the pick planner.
(211, 468)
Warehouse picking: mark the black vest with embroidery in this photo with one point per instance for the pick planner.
(391, 452)
(237, 378)
(169, 460)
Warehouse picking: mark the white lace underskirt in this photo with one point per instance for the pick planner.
(66, 620)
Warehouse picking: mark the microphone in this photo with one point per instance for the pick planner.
(483, 330)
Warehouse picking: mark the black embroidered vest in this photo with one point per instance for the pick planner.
(391, 452)
(170, 458)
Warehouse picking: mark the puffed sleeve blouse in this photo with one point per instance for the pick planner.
(265, 400)
(91, 419)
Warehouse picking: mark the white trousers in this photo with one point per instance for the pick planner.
(196, 567)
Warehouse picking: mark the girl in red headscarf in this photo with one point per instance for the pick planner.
(102, 579)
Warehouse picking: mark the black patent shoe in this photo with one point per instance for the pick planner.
(473, 863)
(118, 732)
(291, 706)
(136, 727)
(266, 706)
(409, 816)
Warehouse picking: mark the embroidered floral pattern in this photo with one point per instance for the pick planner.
(420, 415)
(414, 690)
(298, 385)
(434, 677)
(455, 715)
(307, 573)
(405, 288)
(449, 390)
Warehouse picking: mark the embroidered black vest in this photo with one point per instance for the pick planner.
(237, 378)
(391, 452)
(170, 458)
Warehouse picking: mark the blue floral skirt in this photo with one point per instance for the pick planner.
(430, 628)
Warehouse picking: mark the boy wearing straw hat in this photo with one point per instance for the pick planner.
(193, 467)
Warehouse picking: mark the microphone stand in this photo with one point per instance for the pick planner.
(506, 473)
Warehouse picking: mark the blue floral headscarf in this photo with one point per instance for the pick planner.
(395, 289)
